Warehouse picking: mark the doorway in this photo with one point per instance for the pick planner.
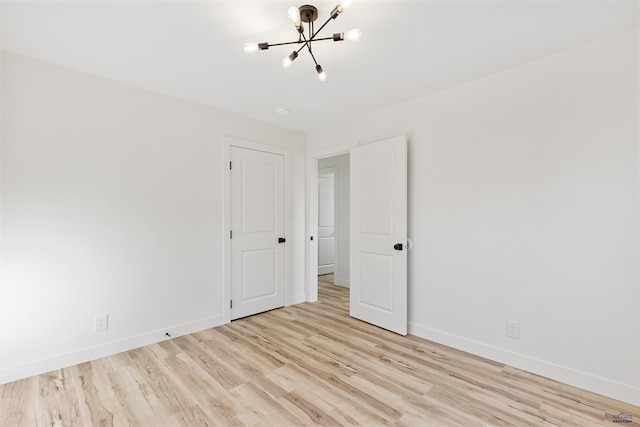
(317, 160)
(378, 240)
(333, 217)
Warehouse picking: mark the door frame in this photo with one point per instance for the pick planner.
(311, 280)
(228, 142)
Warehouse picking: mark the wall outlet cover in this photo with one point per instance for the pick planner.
(513, 329)
(102, 322)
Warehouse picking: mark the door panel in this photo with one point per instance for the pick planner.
(376, 268)
(257, 221)
(258, 274)
(258, 195)
(378, 222)
(377, 197)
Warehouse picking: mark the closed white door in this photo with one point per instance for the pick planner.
(257, 231)
(379, 234)
(326, 221)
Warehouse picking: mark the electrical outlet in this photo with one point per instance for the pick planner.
(102, 322)
(513, 329)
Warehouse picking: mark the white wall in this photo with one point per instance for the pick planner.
(524, 205)
(112, 203)
(341, 163)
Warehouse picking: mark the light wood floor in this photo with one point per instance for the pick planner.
(310, 364)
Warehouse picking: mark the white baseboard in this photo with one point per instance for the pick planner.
(325, 269)
(63, 360)
(341, 282)
(584, 380)
(296, 299)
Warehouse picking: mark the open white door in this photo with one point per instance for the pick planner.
(379, 234)
(257, 231)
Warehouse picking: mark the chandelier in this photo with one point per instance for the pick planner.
(308, 14)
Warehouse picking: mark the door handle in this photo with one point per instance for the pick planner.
(397, 246)
(281, 240)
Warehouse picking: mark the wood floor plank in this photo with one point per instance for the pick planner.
(304, 365)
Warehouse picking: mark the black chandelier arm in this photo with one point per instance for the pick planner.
(313, 37)
(318, 40)
(303, 42)
(308, 44)
(301, 47)
(285, 43)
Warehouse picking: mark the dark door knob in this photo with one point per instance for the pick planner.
(281, 240)
(397, 246)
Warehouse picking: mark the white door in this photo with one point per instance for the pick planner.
(326, 220)
(379, 234)
(257, 230)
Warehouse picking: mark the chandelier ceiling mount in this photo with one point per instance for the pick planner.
(308, 13)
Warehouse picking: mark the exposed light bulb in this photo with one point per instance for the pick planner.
(250, 47)
(353, 35)
(321, 74)
(288, 60)
(294, 14)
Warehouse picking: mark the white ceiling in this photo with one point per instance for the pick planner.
(193, 49)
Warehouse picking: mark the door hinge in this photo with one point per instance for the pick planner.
(231, 234)
(230, 303)
(230, 166)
